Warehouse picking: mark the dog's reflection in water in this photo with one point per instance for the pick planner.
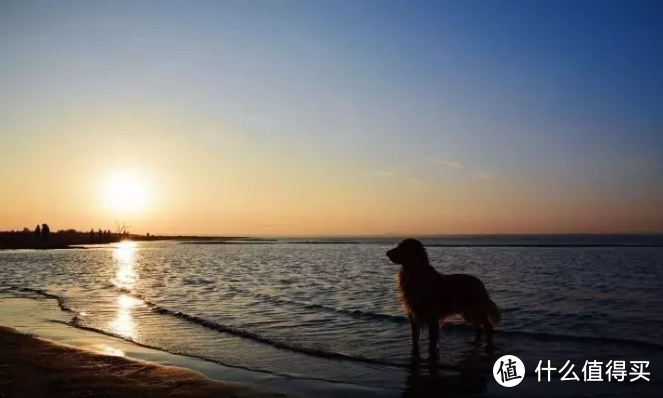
(427, 379)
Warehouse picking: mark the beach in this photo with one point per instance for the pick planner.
(32, 367)
(35, 332)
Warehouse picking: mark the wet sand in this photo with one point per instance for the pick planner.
(44, 319)
(32, 367)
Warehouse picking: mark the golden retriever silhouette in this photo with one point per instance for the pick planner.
(430, 298)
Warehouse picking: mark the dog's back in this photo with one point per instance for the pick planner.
(468, 297)
(427, 294)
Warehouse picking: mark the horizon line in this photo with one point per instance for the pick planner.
(383, 235)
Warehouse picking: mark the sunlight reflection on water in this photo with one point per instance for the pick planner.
(124, 324)
(108, 350)
(124, 255)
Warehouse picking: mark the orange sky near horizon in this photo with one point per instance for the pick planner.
(193, 187)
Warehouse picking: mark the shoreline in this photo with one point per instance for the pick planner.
(63, 241)
(32, 367)
(53, 247)
(42, 319)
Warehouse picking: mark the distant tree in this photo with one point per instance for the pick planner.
(148, 234)
(121, 228)
(37, 231)
(101, 233)
(26, 230)
(92, 233)
(45, 231)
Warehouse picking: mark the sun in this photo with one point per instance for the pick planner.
(126, 193)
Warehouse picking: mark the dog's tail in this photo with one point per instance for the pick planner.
(493, 313)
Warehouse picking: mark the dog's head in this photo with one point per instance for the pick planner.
(409, 252)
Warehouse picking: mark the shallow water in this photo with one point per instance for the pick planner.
(331, 311)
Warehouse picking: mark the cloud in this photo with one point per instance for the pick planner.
(452, 164)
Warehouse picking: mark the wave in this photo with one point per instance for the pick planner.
(460, 327)
(227, 329)
(451, 327)
(327, 354)
(76, 324)
(375, 316)
(60, 300)
(398, 319)
(456, 327)
(257, 337)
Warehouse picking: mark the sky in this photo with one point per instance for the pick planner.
(288, 118)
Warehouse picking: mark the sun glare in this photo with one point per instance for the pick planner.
(125, 193)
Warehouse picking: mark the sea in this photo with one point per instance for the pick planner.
(328, 310)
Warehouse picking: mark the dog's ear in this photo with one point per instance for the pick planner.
(414, 252)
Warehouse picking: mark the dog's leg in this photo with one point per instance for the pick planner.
(489, 335)
(433, 337)
(416, 329)
(478, 332)
(475, 321)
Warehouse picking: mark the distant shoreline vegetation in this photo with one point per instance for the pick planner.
(73, 239)
(43, 238)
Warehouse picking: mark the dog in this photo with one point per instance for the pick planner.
(430, 298)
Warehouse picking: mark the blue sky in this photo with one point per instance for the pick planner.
(540, 99)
